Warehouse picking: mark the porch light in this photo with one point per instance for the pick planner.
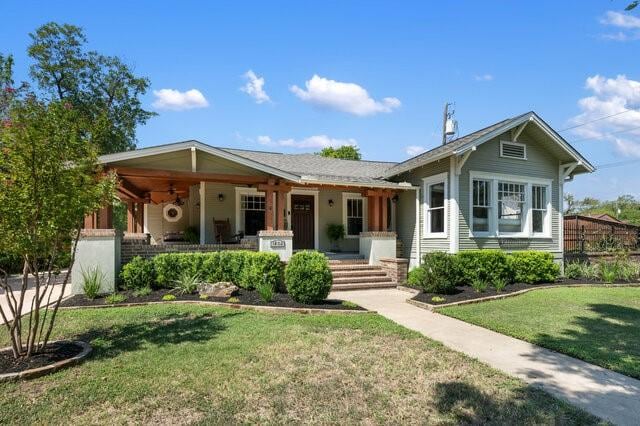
(330, 203)
(394, 198)
(221, 197)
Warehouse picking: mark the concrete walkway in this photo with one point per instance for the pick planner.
(608, 395)
(15, 282)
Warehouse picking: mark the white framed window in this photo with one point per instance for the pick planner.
(481, 206)
(250, 211)
(540, 210)
(514, 150)
(435, 211)
(354, 217)
(509, 206)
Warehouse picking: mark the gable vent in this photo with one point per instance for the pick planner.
(513, 150)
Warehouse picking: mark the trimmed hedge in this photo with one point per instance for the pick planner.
(308, 277)
(138, 273)
(441, 272)
(534, 267)
(245, 269)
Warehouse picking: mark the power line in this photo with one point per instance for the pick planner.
(616, 164)
(607, 134)
(599, 119)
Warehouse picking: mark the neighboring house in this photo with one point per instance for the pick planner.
(500, 187)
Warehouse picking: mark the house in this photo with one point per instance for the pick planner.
(500, 187)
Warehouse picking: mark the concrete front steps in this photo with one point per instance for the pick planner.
(357, 274)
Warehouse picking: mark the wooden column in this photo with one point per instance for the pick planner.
(374, 201)
(139, 218)
(281, 209)
(91, 221)
(268, 212)
(105, 218)
(131, 214)
(385, 213)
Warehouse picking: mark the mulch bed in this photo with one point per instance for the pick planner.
(245, 297)
(54, 352)
(465, 293)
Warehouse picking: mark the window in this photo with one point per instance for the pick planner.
(252, 213)
(435, 206)
(513, 150)
(539, 208)
(509, 206)
(511, 198)
(353, 211)
(481, 205)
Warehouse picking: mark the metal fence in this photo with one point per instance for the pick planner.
(583, 234)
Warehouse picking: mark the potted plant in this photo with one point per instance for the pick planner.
(335, 232)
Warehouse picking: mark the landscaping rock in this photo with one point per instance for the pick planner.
(221, 289)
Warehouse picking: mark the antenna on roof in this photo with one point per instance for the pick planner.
(449, 124)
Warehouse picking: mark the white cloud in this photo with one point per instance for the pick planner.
(346, 97)
(483, 77)
(610, 96)
(176, 100)
(255, 87)
(629, 26)
(315, 142)
(414, 150)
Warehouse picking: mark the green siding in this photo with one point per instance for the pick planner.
(540, 163)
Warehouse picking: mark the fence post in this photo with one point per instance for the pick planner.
(581, 239)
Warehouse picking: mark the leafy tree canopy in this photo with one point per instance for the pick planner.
(625, 207)
(101, 88)
(345, 152)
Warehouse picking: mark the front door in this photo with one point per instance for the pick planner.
(302, 221)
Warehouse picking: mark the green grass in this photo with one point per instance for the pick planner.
(598, 325)
(195, 364)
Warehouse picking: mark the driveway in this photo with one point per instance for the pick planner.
(15, 282)
(604, 393)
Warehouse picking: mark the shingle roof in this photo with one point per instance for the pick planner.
(449, 148)
(316, 167)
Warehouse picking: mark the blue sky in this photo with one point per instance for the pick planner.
(383, 71)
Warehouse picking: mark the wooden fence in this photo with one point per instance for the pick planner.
(583, 234)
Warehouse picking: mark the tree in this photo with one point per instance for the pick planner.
(345, 152)
(49, 181)
(102, 88)
(625, 207)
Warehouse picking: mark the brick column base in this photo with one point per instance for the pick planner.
(396, 268)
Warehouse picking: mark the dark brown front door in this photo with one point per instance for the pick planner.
(302, 221)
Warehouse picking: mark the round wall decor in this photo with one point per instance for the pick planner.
(172, 213)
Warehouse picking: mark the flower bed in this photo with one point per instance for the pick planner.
(243, 297)
(55, 356)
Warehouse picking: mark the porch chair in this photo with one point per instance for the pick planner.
(222, 230)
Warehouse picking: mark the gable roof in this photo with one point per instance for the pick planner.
(300, 168)
(470, 141)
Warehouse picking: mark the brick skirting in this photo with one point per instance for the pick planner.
(136, 247)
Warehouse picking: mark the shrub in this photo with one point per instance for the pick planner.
(137, 274)
(308, 277)
(438, 299)
(534, 267)
(573, 270)
(608, 272)
(233, 300)
(499, 285)
(439, 273)
(479, 285)
(335, 233)
(265, 290)
(232, 264)
(168, 297)
(204, 297)
(186, 284)
(141, 292)
(169, 267)
(91, 282)
(349, 305)
(114, 298)
(416, 277)
(262, 270)
(483, 265)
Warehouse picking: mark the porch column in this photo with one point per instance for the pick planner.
(139, 218)
(281, 209)
(385, 213)
(203, 217)
(131, 213)
(268, 213)
(105, 218)
(374, 210)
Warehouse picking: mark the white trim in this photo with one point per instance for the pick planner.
(243, 190)
(316, 210)
(426, 183)
(194, 164)
(494, 179)
(365, 210)
(180, 146)
(203, 217)
(521, 145)
(561, 209)
(417, 227)
(454, 215)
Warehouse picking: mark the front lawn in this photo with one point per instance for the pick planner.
(598, 325)
(180, 364)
